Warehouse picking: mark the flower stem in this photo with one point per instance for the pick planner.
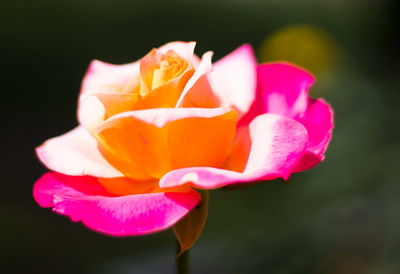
(182, 260)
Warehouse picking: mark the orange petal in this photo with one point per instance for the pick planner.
(200, 95)
(163, 78)
(166, 95)
(198, 92)
(237, 158)
(96, 108)
(147, 144)
(148, 64)
(170, 67)
(157, 68)
(115, 103)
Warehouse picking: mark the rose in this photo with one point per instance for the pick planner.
(153, 129)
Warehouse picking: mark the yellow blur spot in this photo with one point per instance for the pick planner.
(307, 46)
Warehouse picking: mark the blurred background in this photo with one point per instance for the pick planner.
(340, 217)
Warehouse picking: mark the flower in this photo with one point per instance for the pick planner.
(152, 130)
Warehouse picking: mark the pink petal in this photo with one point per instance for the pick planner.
(284, 88)
(233, 79)
(82, 199)
(91, 112)
(318, 121)
(75, 153)
(277, 143)
(101, 77)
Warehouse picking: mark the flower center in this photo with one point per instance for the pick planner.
(156, 69)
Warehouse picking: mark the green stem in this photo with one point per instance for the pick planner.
(182, 260)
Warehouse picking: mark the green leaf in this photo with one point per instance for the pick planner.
(188, 229)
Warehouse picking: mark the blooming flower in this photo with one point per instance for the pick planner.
(152, 130)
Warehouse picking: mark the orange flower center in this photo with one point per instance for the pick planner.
(156, 70)
(159, 84)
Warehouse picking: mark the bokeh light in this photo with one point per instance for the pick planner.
(305, 45)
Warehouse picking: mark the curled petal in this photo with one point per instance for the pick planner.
(284, 88)
(83, 199)
(148, 143)
(91, 112)
(75, 153)
(318, 121)
(233, 79)
(184, 49)
(277, 143)
(104, 77)
(167, 95)
(156, 69)
(96, 108)
(197, 92)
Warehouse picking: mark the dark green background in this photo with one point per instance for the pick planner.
(341, 217)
